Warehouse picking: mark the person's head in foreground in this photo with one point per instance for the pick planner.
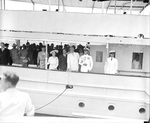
(8, 80)
(14, 103)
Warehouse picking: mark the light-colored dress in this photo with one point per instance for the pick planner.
(111, 66)
(53, 63)
(41, 59)
(86, 63)
(73, 61)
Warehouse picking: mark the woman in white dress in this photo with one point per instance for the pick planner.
(53, 60)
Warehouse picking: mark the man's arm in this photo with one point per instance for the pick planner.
(29, 111)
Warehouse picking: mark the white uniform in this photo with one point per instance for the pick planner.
(111, 66)
(86, 63)
(72, 61)
(14, 103)
(53, 61)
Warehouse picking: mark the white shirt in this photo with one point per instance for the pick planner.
(72, 61)
(86, 63)
(111, 66)
(53, 61)
(14, 103)
(136, 65)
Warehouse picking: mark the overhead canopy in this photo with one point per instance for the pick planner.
(137, 5)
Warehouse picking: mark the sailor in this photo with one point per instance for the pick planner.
(53, 60)
(111, 65)
(86, 61)
(72, 60)
(13, 103)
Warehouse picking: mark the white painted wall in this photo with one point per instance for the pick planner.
(76, 23)
(124, 56)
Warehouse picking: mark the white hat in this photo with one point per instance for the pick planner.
(112, 51)
(86, 48)
(56, 51)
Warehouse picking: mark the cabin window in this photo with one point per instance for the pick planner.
(137, 59)
(99, 56)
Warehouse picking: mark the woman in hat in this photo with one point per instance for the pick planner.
(53, 60)
(111, 65)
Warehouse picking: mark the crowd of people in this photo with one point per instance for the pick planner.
(64, 58)
(58, 58)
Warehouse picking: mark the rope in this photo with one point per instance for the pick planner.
(52, 100)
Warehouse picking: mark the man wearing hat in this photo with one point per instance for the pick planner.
(111, 65)
(86, 61)
(72, 60)
(14, 53)
(13, 103)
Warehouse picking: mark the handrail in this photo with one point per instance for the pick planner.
(133, 71)
(80, 72)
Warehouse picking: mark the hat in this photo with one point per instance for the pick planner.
(14, 45)
(112, 51)
(87, 49)
(6, 44)
(56, 51)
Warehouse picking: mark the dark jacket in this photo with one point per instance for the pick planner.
(5, 58)
(63, 62)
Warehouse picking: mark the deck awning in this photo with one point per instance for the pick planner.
(137, 5)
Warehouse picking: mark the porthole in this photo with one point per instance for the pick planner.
(142, 110)
(81, 105)
(111, 107)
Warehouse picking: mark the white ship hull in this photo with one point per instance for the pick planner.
(128, 94)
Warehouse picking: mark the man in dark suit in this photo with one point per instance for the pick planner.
(4, 55)
(63, 61)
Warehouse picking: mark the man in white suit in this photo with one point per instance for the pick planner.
(111, 65)
(72, 60)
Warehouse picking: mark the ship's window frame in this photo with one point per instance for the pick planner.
(137, 55)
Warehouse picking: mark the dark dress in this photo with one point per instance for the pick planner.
(5, 58)
(63, 62)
